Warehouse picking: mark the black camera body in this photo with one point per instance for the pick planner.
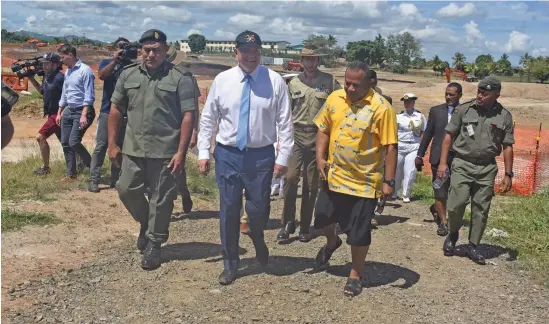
(129, 51)
(28, 68)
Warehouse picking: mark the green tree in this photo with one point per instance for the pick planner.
(540, 68)
(503, 66)
(438, 65)
(370, 52)
(401, 49)
(486, 65)
(197, 43)
(325, 45)
(526, 61)
(459, 61)
(419, 63)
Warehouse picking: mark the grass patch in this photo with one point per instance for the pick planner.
(18, 181)
(13, 220)
(197, 183)
(525, 219)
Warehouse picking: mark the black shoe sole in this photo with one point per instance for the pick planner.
(448, 254)
(149, 268)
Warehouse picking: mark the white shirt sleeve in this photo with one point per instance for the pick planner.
(208, 122)
(284, 125)
(424, 122)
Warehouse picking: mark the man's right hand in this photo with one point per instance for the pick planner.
(118, 56)
(418, 162)
(441, 172)
(321, 166)
(204, 166)
(115, 155)
(58, 120)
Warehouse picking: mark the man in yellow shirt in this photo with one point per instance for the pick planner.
(358, 127)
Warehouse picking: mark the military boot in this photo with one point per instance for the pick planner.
(450, 244)
(151, 256)
(474, 255)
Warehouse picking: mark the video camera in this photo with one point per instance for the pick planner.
(28, 68)
(129, 50)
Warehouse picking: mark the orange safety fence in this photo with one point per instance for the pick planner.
(530, 163)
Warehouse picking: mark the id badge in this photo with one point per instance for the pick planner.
(470, 130)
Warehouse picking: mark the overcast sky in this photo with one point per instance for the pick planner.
(443, 27)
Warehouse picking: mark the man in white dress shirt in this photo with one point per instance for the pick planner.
(249, 102)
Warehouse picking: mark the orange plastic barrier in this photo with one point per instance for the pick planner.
(530, 164)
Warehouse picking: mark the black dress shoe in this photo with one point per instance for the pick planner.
(474, 255)
(449, 245)
(286, 231)
(228, 276)
(304, 237)
(93, 187)
(151, 256)
(442, 230)
(187, 205)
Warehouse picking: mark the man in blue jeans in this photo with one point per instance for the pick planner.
(76, 111)
(109, 71)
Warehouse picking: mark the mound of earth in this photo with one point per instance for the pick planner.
(204, 69)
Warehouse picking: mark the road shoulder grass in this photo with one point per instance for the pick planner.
(525, 219)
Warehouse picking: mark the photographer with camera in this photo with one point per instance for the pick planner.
(76, 112)
(109, 71)
(50, 89)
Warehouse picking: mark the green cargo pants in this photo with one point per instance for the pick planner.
(475, 182)
(135, 176)
(302, 161)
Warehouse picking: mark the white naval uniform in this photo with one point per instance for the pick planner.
(410, 129)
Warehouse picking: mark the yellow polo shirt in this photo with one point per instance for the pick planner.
(358, 133)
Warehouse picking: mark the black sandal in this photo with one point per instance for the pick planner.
(436, 217)
(353, 287)
(325, 253)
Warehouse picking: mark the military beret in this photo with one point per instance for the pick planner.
(490, 83)
(154, 35)
(247, 38)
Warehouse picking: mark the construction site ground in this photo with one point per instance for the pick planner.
(86, 268)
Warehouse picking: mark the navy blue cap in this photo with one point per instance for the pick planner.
(247, 38)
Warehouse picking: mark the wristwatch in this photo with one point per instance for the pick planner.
(391, 183)
(510, 174)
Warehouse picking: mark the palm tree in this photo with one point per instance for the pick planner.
(459, 60)
(436, 65)
(526, 62)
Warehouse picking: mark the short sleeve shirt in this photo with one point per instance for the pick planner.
(358, 133)
(155, 106)
(480, 133)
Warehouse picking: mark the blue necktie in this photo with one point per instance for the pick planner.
(244, 115)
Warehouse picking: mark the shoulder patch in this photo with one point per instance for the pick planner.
(182, 71)
(131, 65)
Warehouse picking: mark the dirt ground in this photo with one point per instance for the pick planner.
(86, 269)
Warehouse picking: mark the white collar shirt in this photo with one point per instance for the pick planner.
(411, 126)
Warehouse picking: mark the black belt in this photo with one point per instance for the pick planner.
(477, 161)
(75, 108)
(246, 149)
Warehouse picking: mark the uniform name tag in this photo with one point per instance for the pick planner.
(470, 130)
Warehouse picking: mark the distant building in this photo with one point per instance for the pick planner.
(294, 49)
(228, 46)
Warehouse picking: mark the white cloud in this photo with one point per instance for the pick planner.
(147, 21)
(453, 10)
(224, 35)
(472, 33)
(30, 20)
(518, 42)
(193, 31)
(110, 27)
(245, 20)
(174, 15)
(200, 25)
(543, 51)
(408, 9)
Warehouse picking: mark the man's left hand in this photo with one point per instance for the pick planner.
(387, 191)
(507, 184)
(280, 171)
(83, 122)
(177, 163)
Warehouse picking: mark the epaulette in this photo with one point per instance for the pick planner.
(183, 71)
(134, 64)
(464, 106)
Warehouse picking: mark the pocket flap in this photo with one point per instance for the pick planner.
(167, 87)
(321, 95)
(470, 119)
(131, 85)
(298, 95)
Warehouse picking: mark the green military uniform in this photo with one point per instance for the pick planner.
(156, 104)
(479, 136)
(306, 102)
